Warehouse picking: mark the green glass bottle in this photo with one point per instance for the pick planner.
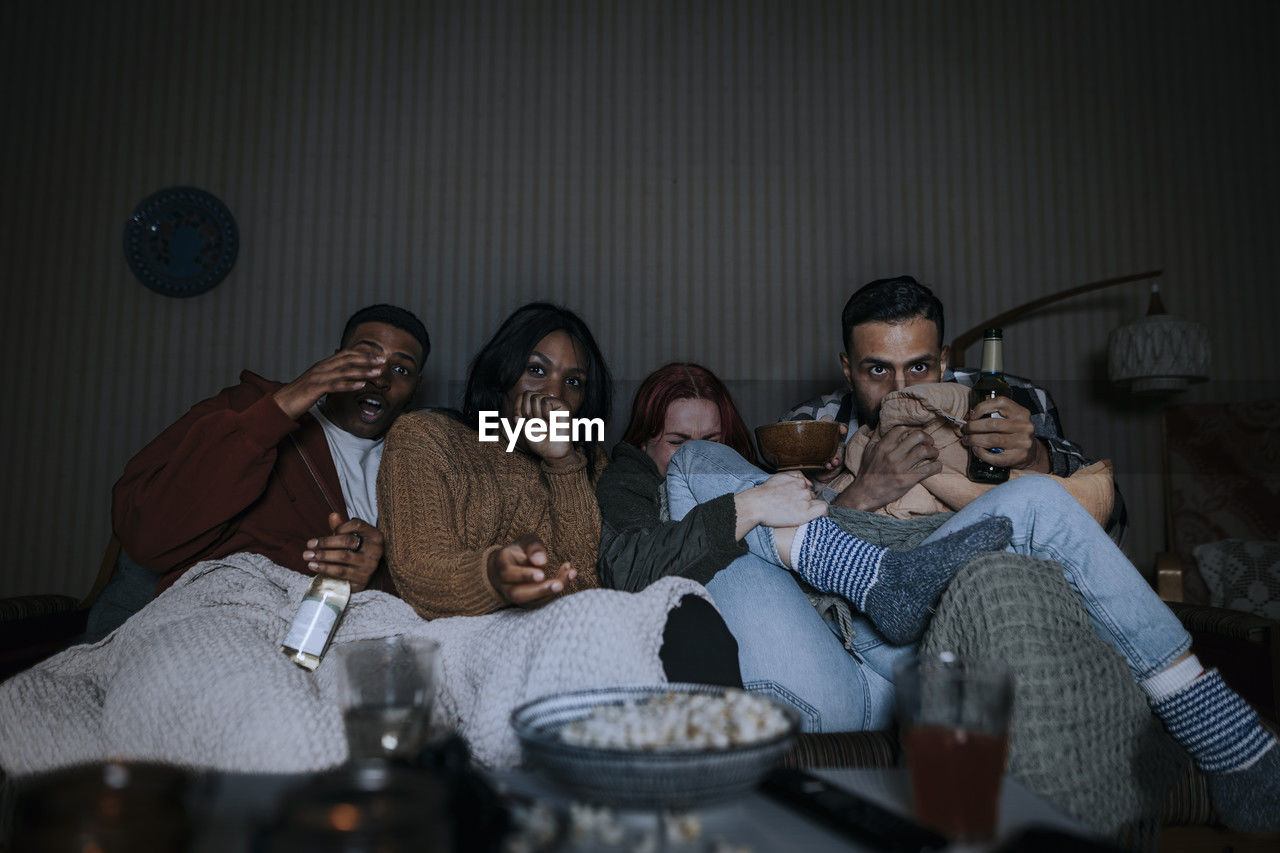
(990, 384)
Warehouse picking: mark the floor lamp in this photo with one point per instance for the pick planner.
(1156, 354)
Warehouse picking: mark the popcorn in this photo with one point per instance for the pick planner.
(673, 721)
(681, 827)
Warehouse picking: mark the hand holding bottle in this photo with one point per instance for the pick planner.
(351, 552)
(999, 431)
(987, 462)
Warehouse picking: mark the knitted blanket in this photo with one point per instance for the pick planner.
(1082, 734)
(197, 679)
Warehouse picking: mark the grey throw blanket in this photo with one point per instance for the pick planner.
(1082, 736)
(196, 678)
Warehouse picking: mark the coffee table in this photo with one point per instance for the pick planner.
(764, 825)
(235, 805)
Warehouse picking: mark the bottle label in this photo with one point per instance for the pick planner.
(311, 627)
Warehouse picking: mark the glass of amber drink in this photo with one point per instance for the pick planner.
(954, 722)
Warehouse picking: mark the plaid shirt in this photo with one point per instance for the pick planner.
(1065, 456)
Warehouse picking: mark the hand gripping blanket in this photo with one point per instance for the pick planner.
(197, 679)
(939, 410)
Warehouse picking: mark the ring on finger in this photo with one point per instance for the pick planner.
(359, 542)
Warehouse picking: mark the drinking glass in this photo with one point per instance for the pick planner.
(387, 686)
(954, 722)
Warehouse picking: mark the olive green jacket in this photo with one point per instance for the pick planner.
(639, 546)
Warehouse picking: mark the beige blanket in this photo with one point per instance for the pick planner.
(939, 410)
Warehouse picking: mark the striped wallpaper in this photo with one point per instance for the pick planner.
(700, 180)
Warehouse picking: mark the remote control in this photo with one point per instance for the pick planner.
(850, 814)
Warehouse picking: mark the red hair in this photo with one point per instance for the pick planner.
(685, 381)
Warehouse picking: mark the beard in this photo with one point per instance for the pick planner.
(868, 413)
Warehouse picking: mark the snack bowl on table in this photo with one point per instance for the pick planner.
(798, 445)
(668, 775)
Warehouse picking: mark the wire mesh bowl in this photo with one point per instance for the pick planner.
(643, 778)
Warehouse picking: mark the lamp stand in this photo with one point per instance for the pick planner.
(962, 341)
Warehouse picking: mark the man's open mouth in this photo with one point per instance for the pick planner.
(370, 408)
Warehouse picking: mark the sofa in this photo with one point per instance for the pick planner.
(1181, 814)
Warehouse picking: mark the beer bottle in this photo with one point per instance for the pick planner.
(317, 620)
(990, 384)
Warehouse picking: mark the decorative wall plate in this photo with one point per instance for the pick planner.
(181, 241)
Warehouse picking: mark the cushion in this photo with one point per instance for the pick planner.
(1242, 575)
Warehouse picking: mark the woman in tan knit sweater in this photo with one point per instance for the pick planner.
(472, 528)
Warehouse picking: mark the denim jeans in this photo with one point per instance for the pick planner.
(787, 649)
(1049, 523)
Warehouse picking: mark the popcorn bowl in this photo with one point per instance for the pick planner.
(667, 776)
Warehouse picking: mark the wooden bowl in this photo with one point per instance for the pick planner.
(797, 445)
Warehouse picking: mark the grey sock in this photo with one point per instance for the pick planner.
(1249, 800)
(911, 582)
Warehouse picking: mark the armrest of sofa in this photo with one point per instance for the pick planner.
(1243, 646)
(1178, 579)
(1170, 576)
(32, 627)
(1228, 624)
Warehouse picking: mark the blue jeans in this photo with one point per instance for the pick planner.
(786, 648)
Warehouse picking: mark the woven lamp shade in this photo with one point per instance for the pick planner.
(1158, 353)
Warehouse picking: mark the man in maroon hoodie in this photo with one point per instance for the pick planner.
(288, 471)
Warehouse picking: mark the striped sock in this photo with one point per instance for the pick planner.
(1214, 725)
(834, 561)
(895, 589)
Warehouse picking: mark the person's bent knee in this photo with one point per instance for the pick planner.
(692, 451)
(1036, 490)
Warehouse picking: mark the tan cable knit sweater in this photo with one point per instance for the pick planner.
(447, 501)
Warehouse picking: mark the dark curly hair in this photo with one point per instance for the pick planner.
(890, 300)
(392, 315)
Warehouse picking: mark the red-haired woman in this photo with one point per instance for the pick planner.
(640, 543)
(683, 497)
(694, 396)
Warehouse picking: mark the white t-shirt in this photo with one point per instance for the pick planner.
(357, 460)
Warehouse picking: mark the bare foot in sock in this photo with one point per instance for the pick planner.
(1249, 800)
(909, 583)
